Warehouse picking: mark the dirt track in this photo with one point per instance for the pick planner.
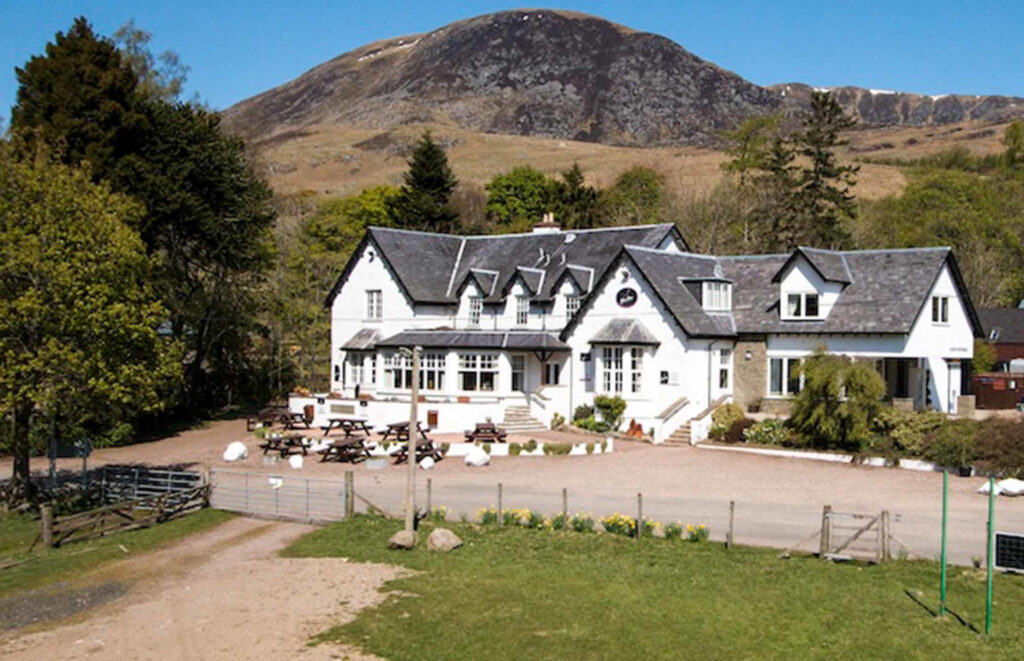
(220, 595)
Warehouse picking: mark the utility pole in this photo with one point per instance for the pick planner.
(410, 482)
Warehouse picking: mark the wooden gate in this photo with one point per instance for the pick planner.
(847, 536)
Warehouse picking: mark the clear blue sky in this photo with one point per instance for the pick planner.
(239, 48)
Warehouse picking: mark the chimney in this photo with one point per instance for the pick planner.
(547, 225)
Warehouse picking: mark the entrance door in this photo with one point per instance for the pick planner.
(519, 373)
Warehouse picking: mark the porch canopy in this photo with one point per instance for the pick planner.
(455, 339)
(364, 340)
(622, 330)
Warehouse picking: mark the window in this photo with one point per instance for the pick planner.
(611, 368)
(337, 373)
(522, 310)
(476, 305)
(717, 296)
(940, 309)
(373, 369)
(572, 305)
(397, 371)
(803, 306)
(636, 359)
(478, 371)
(663, 378)
(993, 334)
(374, 304)
(724, 362)
(432, 371)
(549, 374)
(784, 379)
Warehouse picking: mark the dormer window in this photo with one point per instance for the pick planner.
(476, 304)
(717, 296)
(572, 305)
(802, 306)
(522, 310)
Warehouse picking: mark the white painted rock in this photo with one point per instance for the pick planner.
(295, 461)
(477, 457)
(427, 463)
(403, 539)
(236, 451)
(1011, 487)
(442, 539)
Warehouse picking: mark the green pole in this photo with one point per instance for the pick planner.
(990, 560)
(945, 514)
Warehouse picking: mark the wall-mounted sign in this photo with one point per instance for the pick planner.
(585, 357)
(626, 297)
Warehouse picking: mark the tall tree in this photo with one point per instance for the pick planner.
(576, 202)
(78, 314)
(1013, 140)
(520, 197)
(825, 202)
(424, 202)
(160, 76)
(750, 145)
(636, 198)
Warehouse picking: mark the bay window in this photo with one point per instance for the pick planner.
(478, 372)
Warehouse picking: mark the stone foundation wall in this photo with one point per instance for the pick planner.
(749, 375)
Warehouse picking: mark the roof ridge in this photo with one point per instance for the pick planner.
(670, 253)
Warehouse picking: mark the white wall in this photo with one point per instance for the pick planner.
(801, 278)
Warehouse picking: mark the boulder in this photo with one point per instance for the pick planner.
(442, 539)
(427, 463)
(403, 539)
(236, 451)
(477, 457)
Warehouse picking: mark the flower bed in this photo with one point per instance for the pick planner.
(615, 524)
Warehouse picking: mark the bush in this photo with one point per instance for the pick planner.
(737, 431)
(592, 424)
(611, 409)
(673, 530)
(514, 449)
(531, 445)
(558, 522)
(769, 432)
(557, 449)
(698, 533)
(582, 412)
(1000, 448)
(619, 524)
(582, 523)
(557, 421)
(487, 515)
(840, 400)
(953, 444)
(723, 418)
(906, 433)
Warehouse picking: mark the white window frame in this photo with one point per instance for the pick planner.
(572, 305)
(476, 306)
(724, 368)
(612, 364)
(716, 296)
(374, 305)
(940, 310)
(478, 365)
(786, 390)
(801, 305)
(432, 371)
(550, 373)
(397, 371)
(522, 310)
(636, 370)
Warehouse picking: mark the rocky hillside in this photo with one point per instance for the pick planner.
(874, 108)
(528, 72)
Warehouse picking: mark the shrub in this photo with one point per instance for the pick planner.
(737, 430)
(558, 522)
(906, 432)
(769, 432)
(673, 530)
(723, 418)
(260, 432)
(582, 523)
(592, 424)
(839, 402)
(611, 409)
(487, 448)
(557, 449)
(590, 448)
(531, 445)
(1000, 448)
(698, 533)
(953, 444)
(582, 412)
(522, 517)
(487, 515)
(445, 447)
(557, 421)
(514, 449)
(619, 524)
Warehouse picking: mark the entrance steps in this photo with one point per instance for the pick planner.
(518, 420)
(679, 437)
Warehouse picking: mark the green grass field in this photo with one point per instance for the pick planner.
(526, 594)
(45, 566)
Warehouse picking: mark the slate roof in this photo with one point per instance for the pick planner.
(624, 331)
(1008, 321)
(364, 339)
(457, 339)
(830, 265)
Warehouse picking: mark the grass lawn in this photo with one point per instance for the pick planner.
(523, 594)
(46, 566)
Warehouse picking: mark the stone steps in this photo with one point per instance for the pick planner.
(679, 437)
(518, 420)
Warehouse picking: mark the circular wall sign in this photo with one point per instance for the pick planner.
(626, 297)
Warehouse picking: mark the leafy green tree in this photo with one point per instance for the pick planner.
(424, 203)
(750, 145)
(824, 198)
(636, 198)
(1013, 140)
(79, 99)
(160, 76)
(839, 402)
(575, 201)
(520, 197)
(984, 356)
(78, 314)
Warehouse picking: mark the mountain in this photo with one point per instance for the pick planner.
(526, 72)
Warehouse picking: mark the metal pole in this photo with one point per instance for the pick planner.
(990, 559)
(639, 515)
(410, 448)
(945, 512)
(732, 515)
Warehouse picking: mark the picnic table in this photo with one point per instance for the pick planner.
(400, 432)
(486, 432)
(423, 450)
(285, 444)
(267, 416)
(352, 450)
(351, 426)
(293, 420)
(424, 447)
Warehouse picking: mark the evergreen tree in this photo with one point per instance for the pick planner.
(775, 221)
(424, 202)
(824, 200)
(750, 145)
(576, 202)
(1013, 140)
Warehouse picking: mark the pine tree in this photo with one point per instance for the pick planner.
(576, 204)
(424, 202)
(824, 199)
(775, 222)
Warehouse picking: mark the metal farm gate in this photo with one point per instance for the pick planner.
(278, 496)
(123, 483)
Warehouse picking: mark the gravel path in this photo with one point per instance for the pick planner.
(219, 595)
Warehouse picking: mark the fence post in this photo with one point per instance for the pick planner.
(350, 495)
(732, 519)
(565, 506)
(639, 515)
(430, 498)
(500, 514)
(825, 547)
(307, 497)
(46, 512)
